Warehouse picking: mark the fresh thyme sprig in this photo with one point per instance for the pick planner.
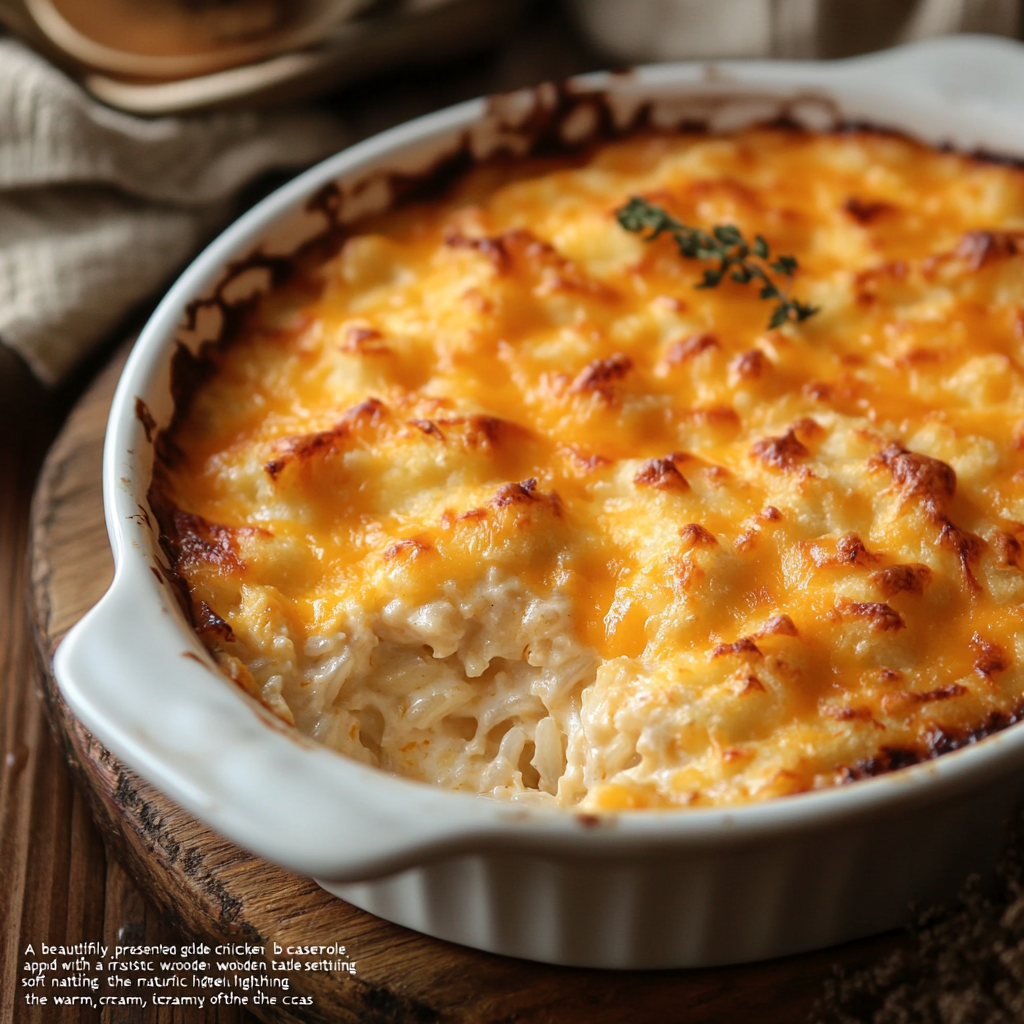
(743, 261)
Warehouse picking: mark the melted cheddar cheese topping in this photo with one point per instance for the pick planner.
(499, 500)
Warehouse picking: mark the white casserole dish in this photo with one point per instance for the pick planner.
(638, 890)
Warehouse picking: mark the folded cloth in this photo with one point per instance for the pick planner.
(97, 208)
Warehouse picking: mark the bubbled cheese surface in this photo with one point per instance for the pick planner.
(497, 499)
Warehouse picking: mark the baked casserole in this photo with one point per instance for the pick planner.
(500, 498)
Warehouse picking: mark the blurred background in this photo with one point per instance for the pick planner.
(170, 56)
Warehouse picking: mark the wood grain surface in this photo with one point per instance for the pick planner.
(57, 882)
(198, 884)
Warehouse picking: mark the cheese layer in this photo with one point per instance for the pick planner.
(499, 500)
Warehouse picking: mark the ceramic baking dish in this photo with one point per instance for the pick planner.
(642, 889)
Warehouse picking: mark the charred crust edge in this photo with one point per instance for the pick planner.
(938, 741)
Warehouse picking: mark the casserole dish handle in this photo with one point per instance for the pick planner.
(256, 777)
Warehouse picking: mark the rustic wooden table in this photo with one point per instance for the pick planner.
(57, 882)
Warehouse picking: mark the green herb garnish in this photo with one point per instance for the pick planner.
(743, 261)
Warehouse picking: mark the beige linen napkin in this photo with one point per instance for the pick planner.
(97, 208)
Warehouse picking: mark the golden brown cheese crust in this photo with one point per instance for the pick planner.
(793, 555)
